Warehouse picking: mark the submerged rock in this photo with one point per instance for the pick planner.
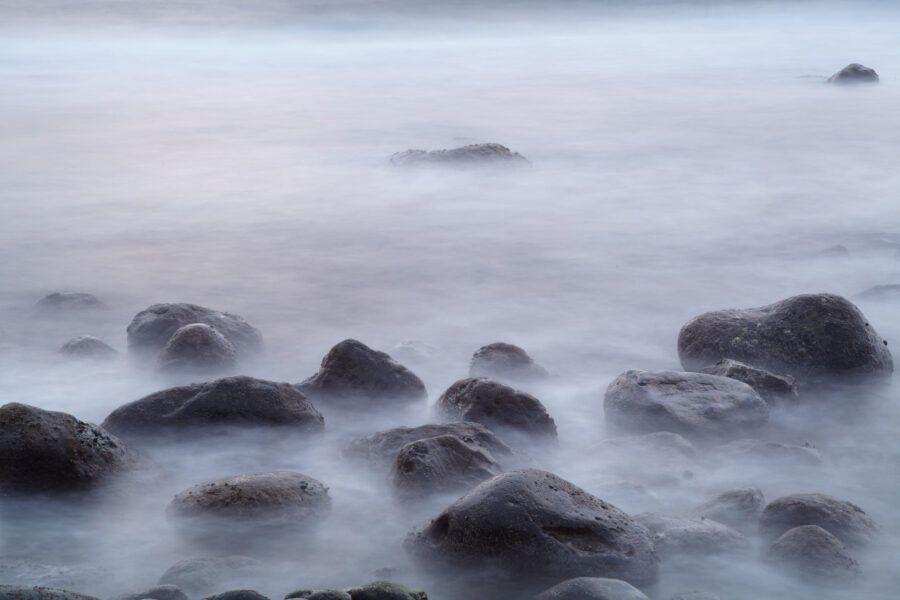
(158, 592)
(352, 374)
(197, 348)
(471, 155)
(592, 588)
(441, 464)
(200, 576)
(845, 520)
(537, 529)
(151, 329)
(232, 401)
(15, 592)
(771, 387)
(87, 346)
(44, 451)
(684, 536)
(386, 590)
(505, 362)
(63, 302)
(238, 595)
(694, 405)
(770, 453)
(384, 446)
(739, 508)
(814, 553)
(881, 292)
(854, 73)
(658, 444)
(319, 595)
(815, 338)
(497, 406)
(695, 596)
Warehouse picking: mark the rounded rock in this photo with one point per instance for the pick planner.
(684, 536)
(441, 464)
(386, 590)
(855, 73)
(383, 447)
(592, 588)
(812, 552)
(845, 520)
(505, 362)
(772, 387)
(63, 302)
(87, 346)
(197, 348)
(738, 508)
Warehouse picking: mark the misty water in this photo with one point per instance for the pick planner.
(684, 158)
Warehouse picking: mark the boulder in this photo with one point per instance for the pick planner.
(496, 406)
(238, 595)
(151, 328)
(199, 576)
(65, 302)
(197, 348)
(845, 520)
(694, 405)
(441, 464)
(44, 451)
(685, 536)
(537, 529)
(15, 592)
(386, 590)
(506, 363)
(592, 588)
(157, 592)
(471, 155)
(771, 387)
(812, 552)
(738, 508)
(770, 453)
(232, 401)
(384, 446)
(353, 375)
(87, 346)
(815, 338)
(854, 73)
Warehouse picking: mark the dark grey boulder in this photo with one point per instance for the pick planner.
(44, 451)
(157, 592)
(694, 405)
(812, 552)
(773, 388)
(319, 595)
(676, 535)
(769, 453)
(384, 446)
(238, 595)
(197, 348)
(441, 464)
(232, 401)
(845, 520)
(87, 346)
(66, 302)
(352, 374)
(536, 529)
(815, 338)
(592, 588)
(854, 73)
(496, 406)
(507, 363)
(471, 155)
(386, 590)
(15, 592)
(881, 292)
(152, 328)
(738, 508)
(199, 576)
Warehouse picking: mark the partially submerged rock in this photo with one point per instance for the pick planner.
(815, 338)
(238, 595)
(537, 529)
(685, 536)
(471, 155)
(352, 374)
(386, 590)
(64, 302)
(738, 508)
(845, 520)
(384, 446)
(592, 588)
(497, 406)
(694, 405)
(770, 453)
(318, 595)
(197, 348)
(441, 464)
(881, 292)
(15, 592)
(44, 451)
(232, 401)
(813, 553)
(157, 592)
(199, 576)
(773, 388)
(854, 73)
(505, 362)
(87, 346)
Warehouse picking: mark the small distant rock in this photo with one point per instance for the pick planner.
(384, 446)
(506, 363)
(199, 576)
(471, 155)
(845, 520)
(813, 553)
(881, 292)
(773, 388)
(837, 251)
(592, 588)
(62, 302)
(679, 536)
(854, 73)
(441, 464)
(414, 352)
(15, 592)
(197, 348)
(739, 508)
(386, 590)
(87, 346)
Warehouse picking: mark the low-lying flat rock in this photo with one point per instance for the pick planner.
(770, 453)
(471, 155)
(676, 535)
(64, 302)
(812, 552)
(739, 508)
(845, 520)
(881, 292)
(383, 447)
(441, 464)
(386, 590)
(592, 588)
(506, 363)
(318, 595)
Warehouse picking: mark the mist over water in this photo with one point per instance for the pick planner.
(685, 158)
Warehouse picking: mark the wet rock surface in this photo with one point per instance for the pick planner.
(87, 346)
(13, 592)
(533, 526)
(197, 348)
(506, 363)
(845, 520)
(383, 447)
(694, 405)
(772, 387)
(739, 508)
(44, 451)
(439, 465)
(676, 536)
(471, 155)
(592, 588)
(812, 552)
(497, 406)
(354, 375)
(854, 73)
(815, 338)
(232, 401)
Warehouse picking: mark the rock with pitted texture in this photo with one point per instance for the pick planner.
(845, 520)
(811, 552)
(197, 348)
(157, 592)
(441, 464)
(238, 595)
(318, 595)
(15, 592)
(386, 590)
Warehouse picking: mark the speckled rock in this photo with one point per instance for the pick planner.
(319, 595)
(845, 520)
(739, 508)
(15, 592)
(158, 592)
(238, 595)
(386, 590)
(471, 155)
(441, 464)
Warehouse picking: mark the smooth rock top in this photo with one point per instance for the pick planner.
(812, 552)
(772, 387)
(694, 405)
(197, 348)
(242, 401)
(845, 520)
(87, 346)
(354, 374)
(592, 588)
(151, 328)
(675, 535)
(15, 592)
(497, 406)
(385, 445)
(471, 155)
(62, 302)
(739, 508)
(855, 73)
(538, 529)
(505, 362)
(815, 338)
(44, 451)
(441, 464)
